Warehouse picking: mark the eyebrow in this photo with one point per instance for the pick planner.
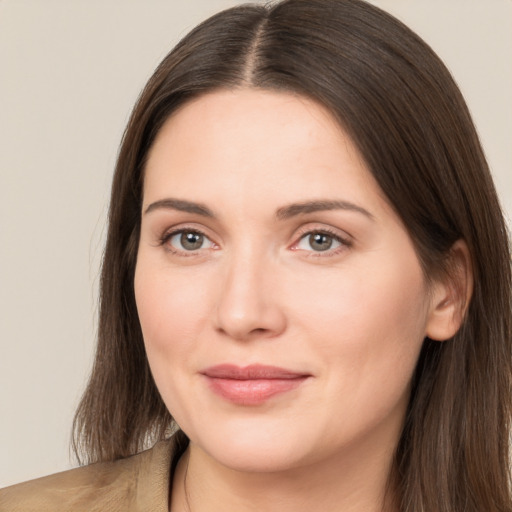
(180, 205)
(293, 210)
(286, 212)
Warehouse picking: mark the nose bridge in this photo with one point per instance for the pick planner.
(246, 305)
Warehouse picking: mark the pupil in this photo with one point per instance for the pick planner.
(191, 241)
(320, 242)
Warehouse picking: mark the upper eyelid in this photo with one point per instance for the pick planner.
(169, 232)
(323, 232)
(172, 233)
(330, 230)
(302, 231)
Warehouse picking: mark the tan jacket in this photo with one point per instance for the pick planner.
(135, 484)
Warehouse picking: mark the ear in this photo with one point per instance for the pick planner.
(451, 294)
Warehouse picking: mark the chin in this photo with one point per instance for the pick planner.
(255, 458)
(251, 449)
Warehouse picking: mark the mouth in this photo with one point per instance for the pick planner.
(251, 385)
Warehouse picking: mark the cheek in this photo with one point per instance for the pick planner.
(386, 300)
(367, 329)
(172, 311)
(368, 322)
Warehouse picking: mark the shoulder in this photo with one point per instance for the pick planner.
(126, 484)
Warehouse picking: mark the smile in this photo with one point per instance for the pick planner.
(251, 385)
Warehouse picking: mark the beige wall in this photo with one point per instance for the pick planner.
(69, 74)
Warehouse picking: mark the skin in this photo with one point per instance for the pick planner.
(257, 290)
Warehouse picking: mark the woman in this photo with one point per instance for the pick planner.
(306, 290)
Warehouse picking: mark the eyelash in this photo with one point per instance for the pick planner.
(345, 242)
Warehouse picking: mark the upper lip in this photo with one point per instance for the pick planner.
(251, 372)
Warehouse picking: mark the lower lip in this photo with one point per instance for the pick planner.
(252, 391)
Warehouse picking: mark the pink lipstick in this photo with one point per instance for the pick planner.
(251, 385)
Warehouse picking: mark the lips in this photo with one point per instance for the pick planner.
(251, 385)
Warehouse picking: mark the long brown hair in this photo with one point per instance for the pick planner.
(400, 105)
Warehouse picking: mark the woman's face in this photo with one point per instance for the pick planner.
(281, 300)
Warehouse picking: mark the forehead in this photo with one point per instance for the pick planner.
(256, 144)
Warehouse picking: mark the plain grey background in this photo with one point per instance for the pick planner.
(70, 72)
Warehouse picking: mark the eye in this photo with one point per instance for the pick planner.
(320, 241)
(187, 240)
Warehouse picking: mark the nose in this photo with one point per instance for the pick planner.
(248, 306)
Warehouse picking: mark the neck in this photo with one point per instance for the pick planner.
(354, 482)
